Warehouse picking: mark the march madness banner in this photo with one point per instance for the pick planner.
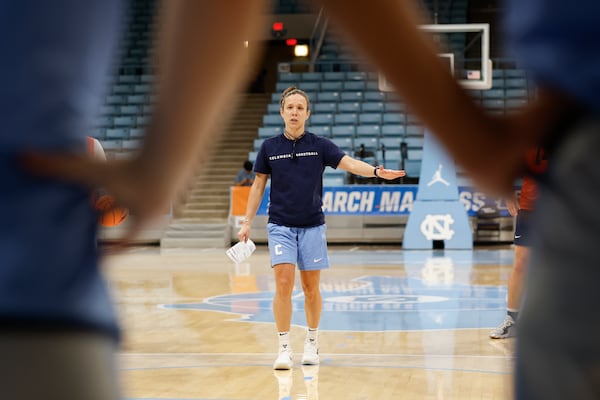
(372, 200)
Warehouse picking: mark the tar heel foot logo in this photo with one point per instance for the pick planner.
(437, 227)
(437, 177)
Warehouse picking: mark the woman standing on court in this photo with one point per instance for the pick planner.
(295, 160)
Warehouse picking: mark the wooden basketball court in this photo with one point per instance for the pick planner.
(395, 325)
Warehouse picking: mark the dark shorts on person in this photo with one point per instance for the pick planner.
(522, 228)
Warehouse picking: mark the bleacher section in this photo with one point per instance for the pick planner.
(348, 108)
(128, 104)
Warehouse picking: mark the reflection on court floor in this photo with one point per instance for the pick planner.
(396, 325)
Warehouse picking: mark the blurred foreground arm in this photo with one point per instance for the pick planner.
(201, 63)
(489, 147)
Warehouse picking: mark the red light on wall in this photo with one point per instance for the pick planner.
(277, 26)
(291, 42)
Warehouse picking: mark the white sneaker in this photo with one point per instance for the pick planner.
(506, 329)
(284, 360)
(311, 353)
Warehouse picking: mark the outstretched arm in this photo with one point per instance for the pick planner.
(358, 167)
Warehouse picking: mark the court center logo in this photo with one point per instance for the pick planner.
(373, 304)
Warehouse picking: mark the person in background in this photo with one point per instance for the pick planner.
(245, 177)
(104, 203)
(523, 210)
(295, 160)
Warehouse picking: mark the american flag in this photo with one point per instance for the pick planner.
(473, 75)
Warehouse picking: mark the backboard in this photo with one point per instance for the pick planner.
(467, 51)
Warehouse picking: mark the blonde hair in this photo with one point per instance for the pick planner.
(290, 91)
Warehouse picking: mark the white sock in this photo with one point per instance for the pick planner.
(312, 334)
(284, 341)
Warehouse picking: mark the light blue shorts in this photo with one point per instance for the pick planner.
(304, 247)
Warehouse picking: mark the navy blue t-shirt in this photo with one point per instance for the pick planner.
(296, 170)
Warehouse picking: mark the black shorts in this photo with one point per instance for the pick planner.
(523, 228)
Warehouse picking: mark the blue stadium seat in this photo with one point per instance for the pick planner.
(334, 86)
(310, 86)
(272, 120)
(270, 131)
(414, 142)
(498, 83)
(516, 93)
(368, 131)
(290, 77)
(351, 96)
(116, 133)
(252, 156)
(273, 108)
(415, 154)
(334, 76)
(393, 130)
(520, 83)
(137, 99)
(142, 88)
(345, 144)
(355, 85)
(345, 119)
(372, 86)
(373, 95)
(124, 121)
(372, 106)
(321, 130)
(131, 109)
(116, 99)
(370, 143)
(356, 76)
(394, 118)
(328, 96)
(333, 181)
(351, 107)
(497, 73)
(412, 167)
(281, 86)
(257, 143)
(390, 143)
(328, 107)
(312, 76)
(320, 119)
(492, 94)
(369, 118)
(393, 106)
(390, 154)
(343, 131)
